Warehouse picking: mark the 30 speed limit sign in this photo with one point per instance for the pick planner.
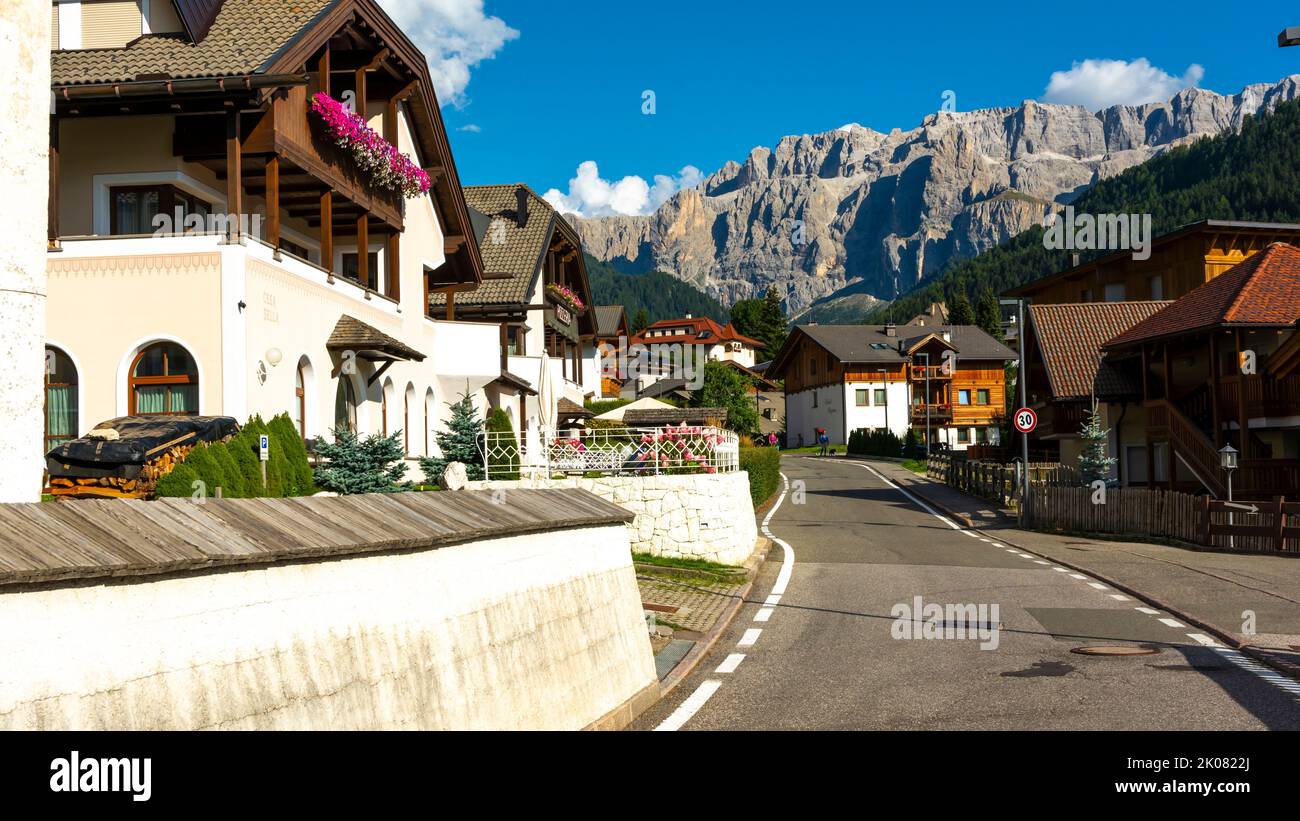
(1026, 420)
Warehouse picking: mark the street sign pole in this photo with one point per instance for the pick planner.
(1024, 403)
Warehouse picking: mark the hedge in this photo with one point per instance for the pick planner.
(879, 442)
(506, 463)
(235, 466)
(764, 468)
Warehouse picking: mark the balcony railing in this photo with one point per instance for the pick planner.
(937, 411)
(611, 452)
(917, 373)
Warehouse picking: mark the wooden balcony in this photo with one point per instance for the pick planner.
(917, 373)
(938, 412)
(1264, 396)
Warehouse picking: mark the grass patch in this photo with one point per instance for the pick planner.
(684, 564)
(916, 465)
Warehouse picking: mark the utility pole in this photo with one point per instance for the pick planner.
(25, 132)
(1024, 401)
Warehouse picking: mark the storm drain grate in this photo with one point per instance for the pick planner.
(1116, 650)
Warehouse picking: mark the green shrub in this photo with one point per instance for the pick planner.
(233, 477)
(179, 484)
(208, 469)
(505, 463)
(244, 453)
(374, 464)
(599, 406)
(286, 438)
(879, 442)
(764, 468)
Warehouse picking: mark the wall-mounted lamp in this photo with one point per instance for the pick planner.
(273, 356)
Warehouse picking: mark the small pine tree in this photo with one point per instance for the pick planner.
(178, 484)
(909, 444)
(232, 474)
(375, 464)
(961, 313)
(506, 460)
(459, 443)
(1094, 464)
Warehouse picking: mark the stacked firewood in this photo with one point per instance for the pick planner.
(117, 487)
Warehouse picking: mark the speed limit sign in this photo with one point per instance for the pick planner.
(1026, 420)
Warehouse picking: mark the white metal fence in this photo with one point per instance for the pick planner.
(610, 451)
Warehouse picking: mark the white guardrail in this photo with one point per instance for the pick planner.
(610, 451)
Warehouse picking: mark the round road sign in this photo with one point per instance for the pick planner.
(1026, 420)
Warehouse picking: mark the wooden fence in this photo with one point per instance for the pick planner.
(1253, 527)
(996, 482)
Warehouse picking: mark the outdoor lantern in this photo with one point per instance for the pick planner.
(1228, 457)
(274, 356)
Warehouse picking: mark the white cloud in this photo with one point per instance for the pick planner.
(472, 128)
(455, 36)
(590, 195)
(1097, 84)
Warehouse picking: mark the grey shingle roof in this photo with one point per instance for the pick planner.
(608, 318)
(854, 343)
(512, 253)
(351, 333)
(243, 38)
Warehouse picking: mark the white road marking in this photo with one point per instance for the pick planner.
(1078, 576)
(1040, 561)
(915, 500)
(1060, 570)
(1147, 610)
(732, 662)
(772, 601)
(1098, 586)
(1172, 623)
(1201, 638)
(764, 614)
(688, 708)
(1259, 670)
(1118, 597)
(1012, 550)
(751, 636)
(1025, 556)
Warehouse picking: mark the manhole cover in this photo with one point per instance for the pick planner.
(1116, 650)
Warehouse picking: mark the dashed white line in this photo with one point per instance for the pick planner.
(731, 663)
(750, 637)
(1060, 570)
(1078, 576)
(764, 614)
(1201, 638)
(916, 500)
(1118, 597)
(1098, 586)
(1147, 610)
(1040, 561)
(1172, 623)
(688, 708)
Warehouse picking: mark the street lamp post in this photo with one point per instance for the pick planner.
(1024, 398)
(1228, 461)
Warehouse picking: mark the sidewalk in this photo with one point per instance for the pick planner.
(1212, 590)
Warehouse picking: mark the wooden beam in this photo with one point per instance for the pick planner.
(452, 243)
(324, 69)
(1214, 390)
(393, 287)
(451, 305)
(1243, 424)
(327, 230)
(234, 175)
(273, 200)
(52, 218)
(363, 249)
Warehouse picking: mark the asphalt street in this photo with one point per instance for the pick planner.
(833, 652)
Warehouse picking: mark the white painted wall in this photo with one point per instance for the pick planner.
(803, 416)
(24, 167)
(698, 516)
(543, 631)
(873, 415)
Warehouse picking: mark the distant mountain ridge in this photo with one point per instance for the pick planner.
(870, 207)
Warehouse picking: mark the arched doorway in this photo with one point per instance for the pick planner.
(61, 398)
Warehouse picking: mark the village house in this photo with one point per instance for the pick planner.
(212, 248)
(949, 379)
(674, 351)
(536, 293)
(1163, 374)
(611, 328)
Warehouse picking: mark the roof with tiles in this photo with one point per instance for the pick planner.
(609, 320)
(1070, 338)
(1263, 290)
(351, 333)
(698, 329)
(243, 38)
(512, 243)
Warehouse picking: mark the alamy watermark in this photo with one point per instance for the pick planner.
(658, 360)
(1098, 232)
(928, 621)
(125, 775)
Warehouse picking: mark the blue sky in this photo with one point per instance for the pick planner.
(532, 89)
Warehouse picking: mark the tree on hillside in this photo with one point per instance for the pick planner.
(746, 317)
(763, 320)
(961, 312)
(640, 321)
(726, 387)
(987, 314)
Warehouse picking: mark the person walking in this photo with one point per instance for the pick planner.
(771, 440)
(823, 440)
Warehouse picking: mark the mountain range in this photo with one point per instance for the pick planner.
(849, 217)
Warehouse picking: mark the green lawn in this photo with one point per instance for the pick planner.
(915, 465)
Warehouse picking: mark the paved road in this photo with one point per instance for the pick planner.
(826, 657)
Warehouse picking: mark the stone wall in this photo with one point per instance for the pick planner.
(697, 516)
(537, 631)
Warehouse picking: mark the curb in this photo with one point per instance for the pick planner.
(705, 645)
(1228, 638)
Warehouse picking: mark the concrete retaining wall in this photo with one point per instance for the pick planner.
(538, 631)
(698, 516)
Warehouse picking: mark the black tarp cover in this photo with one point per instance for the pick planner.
(140, 439)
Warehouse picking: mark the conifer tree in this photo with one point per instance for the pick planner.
(1094, 464)
(459, 443)
(373, 464)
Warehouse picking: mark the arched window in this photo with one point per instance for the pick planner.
(164, 381)
(300, 401)
(345, 406)
(407, 399)
(60, 398)
(428, 418)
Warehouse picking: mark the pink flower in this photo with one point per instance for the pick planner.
(387, 166)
